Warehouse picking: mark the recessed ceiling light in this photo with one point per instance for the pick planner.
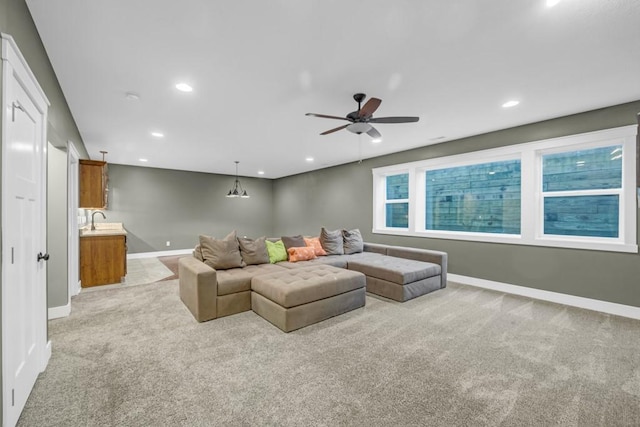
(143, 160)
(376, 140)
(183, 87)
(309, 159)
(260, 172)
(510, 104)
(551, 3)
(157, 134)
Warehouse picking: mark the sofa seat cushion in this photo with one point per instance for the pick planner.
(294, 287)
(396, 270)
(239, 279)
(362, 256)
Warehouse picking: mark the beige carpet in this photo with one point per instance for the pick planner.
(461, 356)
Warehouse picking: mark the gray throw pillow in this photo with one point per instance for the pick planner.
(254, 251)
(331, 241)
(221, 254)
(352, 241)
(293, 242)
(197, 253)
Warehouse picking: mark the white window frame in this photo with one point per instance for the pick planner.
(532, 215)
(380, 199)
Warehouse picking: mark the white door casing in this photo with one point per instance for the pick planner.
(25, 350)
(73, 235)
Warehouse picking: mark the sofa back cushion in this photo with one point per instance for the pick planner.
(221, 254)
(276, 251)
(253, 251)
(314, 242)
(352, 241)
(332, 241)
(302, 253)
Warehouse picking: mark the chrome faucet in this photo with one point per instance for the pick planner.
(93, 226)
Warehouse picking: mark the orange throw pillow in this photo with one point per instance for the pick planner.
(301, 254)
(314, 242)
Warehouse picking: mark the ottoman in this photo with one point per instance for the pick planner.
(293, 299)
(399, 279)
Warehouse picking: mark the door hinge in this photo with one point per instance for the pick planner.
(15, 105)
(12, 255)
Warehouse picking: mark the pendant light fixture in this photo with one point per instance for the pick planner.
(237, 190)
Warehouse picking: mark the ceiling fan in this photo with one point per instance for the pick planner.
(362, 118)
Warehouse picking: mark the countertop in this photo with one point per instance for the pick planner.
(104, 229)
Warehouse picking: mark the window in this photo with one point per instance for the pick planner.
(581, 191)
(397, 201)
(481, 198)
(575, 192)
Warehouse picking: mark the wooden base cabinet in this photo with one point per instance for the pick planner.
(103, 260)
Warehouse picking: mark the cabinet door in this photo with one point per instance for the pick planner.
(103, 260)
(93, 184)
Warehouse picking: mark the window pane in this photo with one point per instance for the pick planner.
(397, 215)
(595, 169)
(398, 187)
(595, 216)
(481, 198)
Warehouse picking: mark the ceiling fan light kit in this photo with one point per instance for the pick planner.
(362, 118)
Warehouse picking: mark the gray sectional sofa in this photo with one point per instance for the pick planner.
(292, 295)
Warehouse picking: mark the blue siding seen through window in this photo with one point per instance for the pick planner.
(398, 187)
(594, 169)
(595, 216)
(397, 215)
(481, 198)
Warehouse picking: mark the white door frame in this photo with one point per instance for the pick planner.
(74, 239)
(15, 67)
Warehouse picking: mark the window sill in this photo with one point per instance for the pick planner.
(513, 239)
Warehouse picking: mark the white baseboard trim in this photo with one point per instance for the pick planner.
(570, 300)
(46, 356)
(159, 253)
(61, 311)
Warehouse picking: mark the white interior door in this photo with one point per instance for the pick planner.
(24, 307)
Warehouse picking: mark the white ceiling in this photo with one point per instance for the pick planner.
(258, 66)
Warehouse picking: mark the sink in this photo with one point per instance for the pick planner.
(108, 226)
(103, 229)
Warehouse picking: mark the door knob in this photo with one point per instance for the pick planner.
(43, 257)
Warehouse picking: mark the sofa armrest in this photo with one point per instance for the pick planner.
(425, 255)
(198, 288)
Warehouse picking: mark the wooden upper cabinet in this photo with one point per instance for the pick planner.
(93, 184)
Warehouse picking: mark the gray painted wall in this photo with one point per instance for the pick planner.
(159, 205)
(57, 225)
(16, 21)
(341, 197)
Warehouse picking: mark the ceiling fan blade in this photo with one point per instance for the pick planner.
(394, 119)
(324, 116)
(333, 130)
(369, 107)
(373, 133)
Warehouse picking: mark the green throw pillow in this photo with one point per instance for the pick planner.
(277, 252)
